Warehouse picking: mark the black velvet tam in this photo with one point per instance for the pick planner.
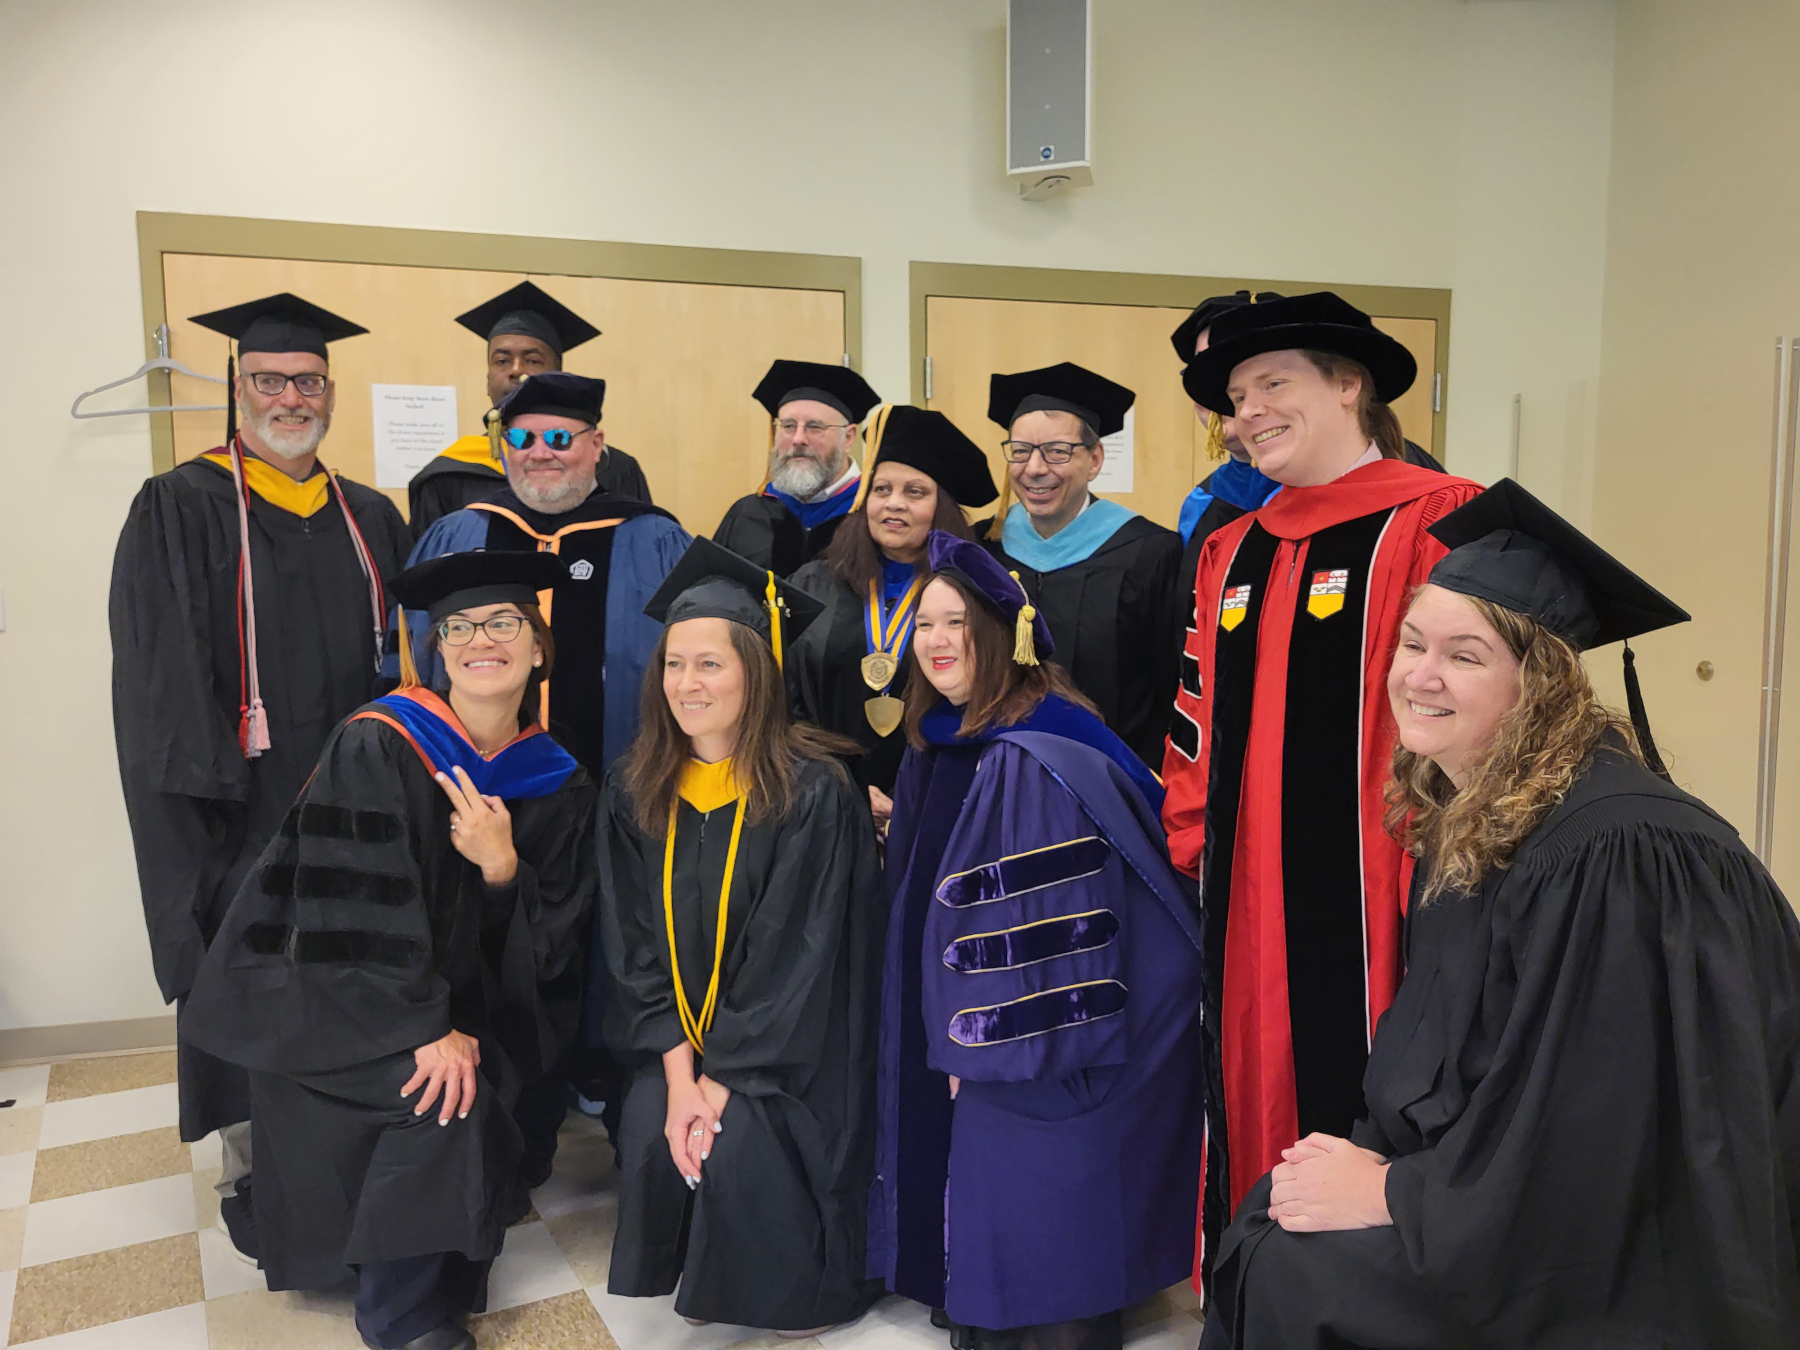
(556, 393)
(531, 311)
(835, 386)
(1206, 313)
(1507, 547)
(712, 582)
(1065, 387)
(1320, 322)
(479, 577)
(933, 444)
(279, 323)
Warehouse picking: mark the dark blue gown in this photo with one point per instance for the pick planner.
(1042, 949)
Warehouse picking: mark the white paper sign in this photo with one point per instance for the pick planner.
(413, 424)
(1116, 471)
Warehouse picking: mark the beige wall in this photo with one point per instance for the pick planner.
(1402, 142)
(1703, 275)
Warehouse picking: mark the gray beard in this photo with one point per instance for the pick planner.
(802, 476)
(571, 494)
(281, 444)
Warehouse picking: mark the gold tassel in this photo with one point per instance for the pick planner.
(873, 426)
(409, 673)
(1024, 644)
(492, 422)
(998, 523)
(773, 603)
(1215, 437)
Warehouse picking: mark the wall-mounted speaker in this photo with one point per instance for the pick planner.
(1049, 95)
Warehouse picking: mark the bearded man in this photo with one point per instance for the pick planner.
(247, 617)
(812, 480)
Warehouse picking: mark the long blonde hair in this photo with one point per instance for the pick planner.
(1542, 745)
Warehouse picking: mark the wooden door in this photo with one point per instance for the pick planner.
(679, 359)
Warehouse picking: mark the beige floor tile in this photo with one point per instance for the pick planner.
(112, 1073)
(12, 1239)
(1161, 1307)
(206, 1199)
(260, 1320)
(109, 1286)
(19, 1127)
(74, 1169)
(586, 1239)
(566, 1322)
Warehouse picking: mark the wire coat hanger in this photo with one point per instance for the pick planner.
(162, 361)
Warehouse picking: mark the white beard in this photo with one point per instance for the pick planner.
(286, 442)
(565, 496)
(802, 476)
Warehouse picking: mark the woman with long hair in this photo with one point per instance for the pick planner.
(404, 953)
(1040, 1094)
(850, 672)
(1583, 1108)
(740, 919)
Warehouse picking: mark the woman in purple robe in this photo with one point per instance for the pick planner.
(1040, 1091)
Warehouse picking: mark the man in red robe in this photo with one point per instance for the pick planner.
(1282, 736)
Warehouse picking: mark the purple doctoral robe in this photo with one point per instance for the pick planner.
(1042, 949)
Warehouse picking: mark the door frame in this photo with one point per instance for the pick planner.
(976, 281)
(310, 241)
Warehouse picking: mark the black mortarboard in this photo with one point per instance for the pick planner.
(932, 444)
(712, 582)
(1320, 322)
(479, 577)
(981, 572)
(1066, 387)
(528, 310)
(1206, 313)
(556, 393)
(279, 323)
(835, 386)
(1507, 547)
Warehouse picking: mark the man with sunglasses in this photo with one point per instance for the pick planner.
(618, 550)
(812, 481)
(246, 616)
(1104, 577)
(528, 331)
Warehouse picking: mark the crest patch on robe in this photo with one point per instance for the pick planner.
(1327, 595)
(1234, 606)
(581, 569)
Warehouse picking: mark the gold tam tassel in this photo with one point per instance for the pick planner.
(998, 523)
(772, 602)
(873, 427)
(1215, 437)
(1024, 645)
(492, 422)
(409, 673)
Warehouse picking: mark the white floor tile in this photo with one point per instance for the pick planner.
(26, 1086)
(530, 1267)
(8, 1281)
(1180, 1332)
(894, 1323)
(221, 1271)
(653, 1324)
(109, 1114)
(172, 1329)
(101, 1220)
(568, 1191)
(15, 1179)
(206, 1153)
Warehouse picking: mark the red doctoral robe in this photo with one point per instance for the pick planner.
(1276, 764)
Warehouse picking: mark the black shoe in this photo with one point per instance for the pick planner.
(449, 1336)
(237, 1216)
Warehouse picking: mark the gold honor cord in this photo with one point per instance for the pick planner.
(883, 661)
(695, 1028)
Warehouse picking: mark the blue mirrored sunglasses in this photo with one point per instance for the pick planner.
(555, 439)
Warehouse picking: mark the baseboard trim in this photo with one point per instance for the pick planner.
(35, 1045)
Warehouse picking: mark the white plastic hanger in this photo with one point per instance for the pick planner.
(163, 361)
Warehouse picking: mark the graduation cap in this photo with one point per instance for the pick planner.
(712, 582)
(981, 574)
(456, 581)
(556, 393)
(279, 323)
(1510, 549)
(935, 446)
(1320, 322)
(835, 386)
(1065, 387)
(530, 312)
(1207, 312)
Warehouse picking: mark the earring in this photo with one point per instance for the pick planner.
(537, 661)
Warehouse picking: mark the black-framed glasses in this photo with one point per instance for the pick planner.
(1054, 452)
(461, 632)
(787, 426)
(271, 383)
(557, 438)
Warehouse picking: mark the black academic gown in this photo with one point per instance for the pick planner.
(200, 813)
(361, 935)
(445, 485)
(1589, 1086)
(825, 676)
(761, 528)
(776, 1234)
(1117, 624)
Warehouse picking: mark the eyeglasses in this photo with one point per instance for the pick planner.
(270, 383)
(557, 438)
(461, 632)
(1054, 452)
(787, 427)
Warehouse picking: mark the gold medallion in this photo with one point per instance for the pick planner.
(878, 671)
(883, 712)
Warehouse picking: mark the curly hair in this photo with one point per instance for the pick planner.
(1541, 746)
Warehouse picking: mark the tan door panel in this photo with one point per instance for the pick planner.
(1413, 408)
(679, 359)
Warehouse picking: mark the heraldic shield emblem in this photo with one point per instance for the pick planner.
(1327, 595)
(1233, 607)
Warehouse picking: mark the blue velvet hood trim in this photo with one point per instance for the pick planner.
(1055, 716)
(814, 514)
(532, 766)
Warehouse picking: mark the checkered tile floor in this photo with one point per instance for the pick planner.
(107, 1242)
